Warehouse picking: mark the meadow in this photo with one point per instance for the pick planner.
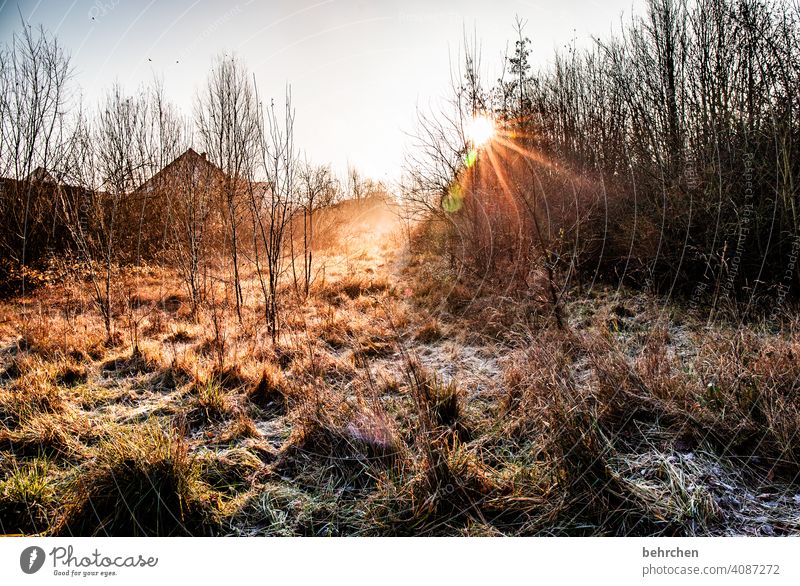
(397, 401)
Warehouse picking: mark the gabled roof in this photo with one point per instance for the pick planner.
(190, 159)
(42, 175)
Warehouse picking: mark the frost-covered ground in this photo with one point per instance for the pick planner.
(397, 400)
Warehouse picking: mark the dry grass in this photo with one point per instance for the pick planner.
(405, 402)
(142, 482)
(25, 497)
(271, 393)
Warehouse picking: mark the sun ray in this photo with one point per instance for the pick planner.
(535, 157)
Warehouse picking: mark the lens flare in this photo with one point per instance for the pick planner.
(480, 130)
(470, 158)
(454, 199)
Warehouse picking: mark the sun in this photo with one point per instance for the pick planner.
(480, 130)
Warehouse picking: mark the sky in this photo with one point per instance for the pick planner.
(358, 70)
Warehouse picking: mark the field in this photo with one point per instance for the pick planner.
(398, 400)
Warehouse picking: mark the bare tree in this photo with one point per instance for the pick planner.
(122, 164)
(164, 137)
(107, 162)
(317, 189)
(194, 184)
(272, 203)
(34, 74)
(228, 123)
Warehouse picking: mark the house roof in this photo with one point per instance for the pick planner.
(189, 159)
(42, 175)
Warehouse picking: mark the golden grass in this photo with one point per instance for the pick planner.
(413, 403)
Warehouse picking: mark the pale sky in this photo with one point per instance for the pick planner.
(358, 69)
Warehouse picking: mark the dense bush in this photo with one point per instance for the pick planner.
(665, 157)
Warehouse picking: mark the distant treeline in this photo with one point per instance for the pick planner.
(664, 157)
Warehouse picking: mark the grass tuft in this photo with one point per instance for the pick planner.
(142, 482)
(270, 393)
(25, 497)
